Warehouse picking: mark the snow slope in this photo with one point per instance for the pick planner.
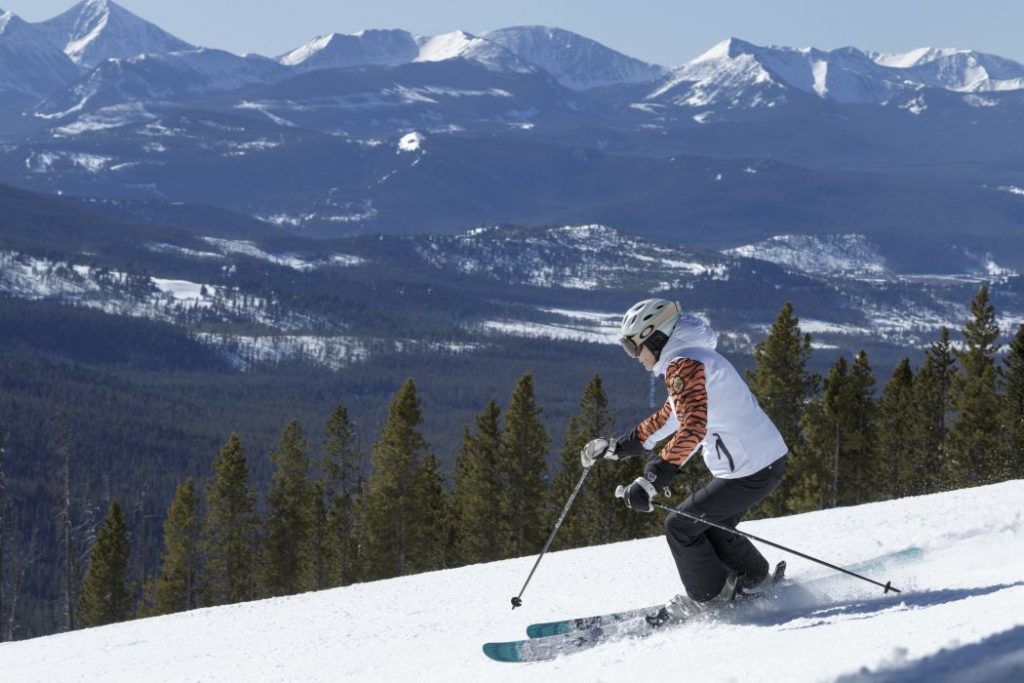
(960, 617)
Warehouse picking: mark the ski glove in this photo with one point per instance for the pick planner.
(598, 449)
(638, 495)
(660, 473)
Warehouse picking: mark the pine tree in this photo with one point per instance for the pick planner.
(591, 519)
(429, 545)
(974, 440)
(1012, 466)
(932, 468)
(391, 513)
(325, 545)
(897, 420)
(230, 530)
(523, 472)
(596, 516)
(824, 432)
(838, 430)
(783, 386)
(177, 587)
(106, 595)
(288, 556)
(860, 469)
(809, 491)
(343, 476)
(477, 491)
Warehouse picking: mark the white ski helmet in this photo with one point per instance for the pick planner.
(644, 319)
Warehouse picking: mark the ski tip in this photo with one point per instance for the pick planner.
(536, 630)
(502, 652)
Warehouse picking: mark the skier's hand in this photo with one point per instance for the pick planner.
(661, 474)
(598, 449)
(638, 495)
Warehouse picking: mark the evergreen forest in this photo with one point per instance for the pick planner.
(331, 504)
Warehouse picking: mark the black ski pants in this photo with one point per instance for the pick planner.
(704, 555)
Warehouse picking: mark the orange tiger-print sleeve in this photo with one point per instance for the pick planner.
(648, 427)
(688, 393)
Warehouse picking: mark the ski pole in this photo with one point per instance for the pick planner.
(517, 600)
(887, 585)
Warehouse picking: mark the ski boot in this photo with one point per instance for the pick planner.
(683, 607)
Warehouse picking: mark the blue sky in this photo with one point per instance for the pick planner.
(662, 31)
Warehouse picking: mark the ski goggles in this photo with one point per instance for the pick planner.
(630, 347)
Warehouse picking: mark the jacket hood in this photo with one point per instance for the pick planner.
(690, 332)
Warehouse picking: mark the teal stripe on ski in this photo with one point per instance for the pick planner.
(549, 647)
(553, 628)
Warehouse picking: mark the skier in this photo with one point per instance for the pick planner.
(709, 412)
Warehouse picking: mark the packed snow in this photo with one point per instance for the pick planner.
(960, 615)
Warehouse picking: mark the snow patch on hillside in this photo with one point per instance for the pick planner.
(411, 142)
(293, 261)
(552, 258)
(845, 254)
(588, 327)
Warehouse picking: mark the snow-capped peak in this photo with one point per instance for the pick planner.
(338, 50)
(395, 47)
(28, 62)
(462, 45)
(445, 46)
(907, 60)
(304, 52)
(95, 30)
(739, 74)
(575, 61)
(955, 69)
(726, 49)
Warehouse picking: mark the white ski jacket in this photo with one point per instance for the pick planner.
(709, 409)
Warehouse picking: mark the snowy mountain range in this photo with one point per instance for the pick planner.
(734, 72)
(739, 74)
(956, 557)
(387, 132)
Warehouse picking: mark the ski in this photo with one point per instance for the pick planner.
(639, 626)
(551, 628)
(549, 647)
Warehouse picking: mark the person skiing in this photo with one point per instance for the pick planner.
(710, 412)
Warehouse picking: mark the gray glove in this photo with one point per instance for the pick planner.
(598, 449)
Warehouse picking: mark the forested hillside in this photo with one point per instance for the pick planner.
(325, 489)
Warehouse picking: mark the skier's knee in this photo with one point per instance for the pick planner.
(681, 528)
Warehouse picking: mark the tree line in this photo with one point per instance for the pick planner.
(957, 420)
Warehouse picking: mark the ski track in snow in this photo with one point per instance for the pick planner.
(960, 617)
